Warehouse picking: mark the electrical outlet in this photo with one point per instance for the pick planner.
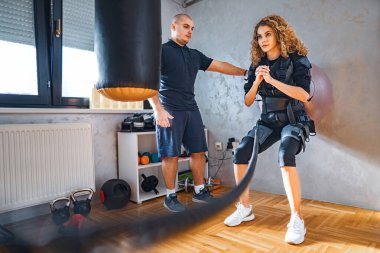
(218, 145)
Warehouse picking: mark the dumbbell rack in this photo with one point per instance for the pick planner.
(129, 145)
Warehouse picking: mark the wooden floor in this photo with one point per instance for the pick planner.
(330, 228)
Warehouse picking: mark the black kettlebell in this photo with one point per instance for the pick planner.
(82, 206)
(115, 193)
(149, 183)
(62, 214)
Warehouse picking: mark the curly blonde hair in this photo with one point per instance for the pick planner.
(285, 35)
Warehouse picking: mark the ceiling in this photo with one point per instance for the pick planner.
(186, 3)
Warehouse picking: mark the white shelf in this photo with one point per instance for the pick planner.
(129, 145)
(145, 133)
(150, 195)
(150, 165)
(139, 133)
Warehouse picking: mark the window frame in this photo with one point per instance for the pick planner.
(58, 100)
(49, 63)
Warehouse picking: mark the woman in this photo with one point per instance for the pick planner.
(280, 74)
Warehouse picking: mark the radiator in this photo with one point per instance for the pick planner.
(40, 162)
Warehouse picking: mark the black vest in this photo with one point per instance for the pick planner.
(278, 108)
(282, 71)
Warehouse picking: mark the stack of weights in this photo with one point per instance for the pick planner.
(138, 123)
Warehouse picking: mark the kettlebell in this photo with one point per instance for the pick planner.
(62, 214)
(115, 193)
(149, 183)
(82, 206)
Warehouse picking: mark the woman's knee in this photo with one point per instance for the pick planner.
(287, 152)
(286, 158)
(244, 151)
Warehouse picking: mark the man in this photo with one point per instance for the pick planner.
(177, 115)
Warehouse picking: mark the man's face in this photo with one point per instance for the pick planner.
(182, 30)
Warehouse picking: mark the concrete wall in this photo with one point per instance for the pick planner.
(342, 163)
(168, 9)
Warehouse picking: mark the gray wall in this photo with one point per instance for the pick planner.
(342, 163)
(168, 10)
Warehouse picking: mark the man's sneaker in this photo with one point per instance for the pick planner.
(203, 196)
(172, 204)
(296, 230)
(241, 214)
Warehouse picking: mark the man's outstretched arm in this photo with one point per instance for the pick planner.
(226, 68)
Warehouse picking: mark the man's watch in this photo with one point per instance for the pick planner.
(246, 74)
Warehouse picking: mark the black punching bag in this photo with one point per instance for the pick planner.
(128, 48)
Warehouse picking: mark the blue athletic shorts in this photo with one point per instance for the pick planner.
(185, 128)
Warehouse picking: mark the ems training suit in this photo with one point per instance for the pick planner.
(283, 118)
(179, 68)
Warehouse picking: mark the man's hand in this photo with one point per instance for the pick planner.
(162, 118)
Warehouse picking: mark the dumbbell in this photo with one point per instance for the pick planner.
(154, 158)
(144, 159)
(212, 183)
(186, 184)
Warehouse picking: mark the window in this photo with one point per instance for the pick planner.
(79, 69)
(24, 66)
(47, 53)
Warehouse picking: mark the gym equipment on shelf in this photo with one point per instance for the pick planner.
(149, 183)
(154, 158)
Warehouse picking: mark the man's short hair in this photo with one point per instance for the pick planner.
(179, 16)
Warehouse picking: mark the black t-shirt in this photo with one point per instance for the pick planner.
(179, 68)
(301, 74)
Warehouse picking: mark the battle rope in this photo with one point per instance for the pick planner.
(151, 229)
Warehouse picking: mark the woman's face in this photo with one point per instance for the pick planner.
(266, 37)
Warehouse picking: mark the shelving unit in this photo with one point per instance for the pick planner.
(129, 145)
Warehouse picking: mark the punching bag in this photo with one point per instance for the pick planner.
(128, 48)
(321, 90)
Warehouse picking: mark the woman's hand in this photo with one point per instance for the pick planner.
(162, 118)
(264, 71)
(259, 76)
(290, 90)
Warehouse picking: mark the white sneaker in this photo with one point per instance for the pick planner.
(296, 230)
(241, 214)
